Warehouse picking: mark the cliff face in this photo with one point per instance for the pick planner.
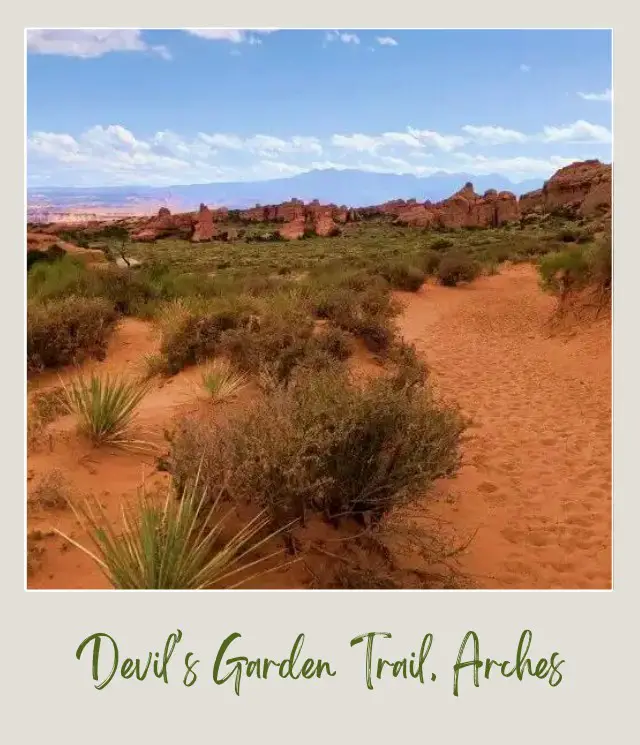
(583, 188)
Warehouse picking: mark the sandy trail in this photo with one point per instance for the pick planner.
(536, 475)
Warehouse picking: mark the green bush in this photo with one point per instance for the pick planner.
(457, 268)
(64, 331)
(403, 276)
(191, 335)
(602, 264)
(430, 261)
(441, 244)
(277, 340)
(565, 270)
(325, 445)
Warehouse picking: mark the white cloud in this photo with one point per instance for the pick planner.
(525, 68)
(112, 154)
(88, 43)
(604, 96)
(579, 132)
(493, 135)
(326, 165)
(234, 35)
(359, 142)
(447, 143)
(414, 138)
(401, 138)
(345, 38)
(386, 41)
(228, 142)
(519, 167)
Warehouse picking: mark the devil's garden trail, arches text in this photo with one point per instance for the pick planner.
(229, 666)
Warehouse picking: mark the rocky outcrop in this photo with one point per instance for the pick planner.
(324, 225)
(292, 231)
(582, 189)
(465, 209)
(164, 225)
(205, 229)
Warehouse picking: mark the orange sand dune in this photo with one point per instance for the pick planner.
(536, 479)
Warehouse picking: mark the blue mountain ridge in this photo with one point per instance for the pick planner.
(349, 187)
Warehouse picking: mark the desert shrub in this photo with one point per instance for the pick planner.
(499, 253)
(192, 334)
(564, 270)
(376, 333)
(602, 264)
(402, 276)
(336, 304)
(410, 368)
(57, 279)
(326, 445)
(363, 308)
(278, 339)
(64, 331)
(34, 256)
(127, 291)
(430, 261)
(567, 235)
(457, 268)
(336, 342)
(441, 244)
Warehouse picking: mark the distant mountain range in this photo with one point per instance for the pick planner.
(352, 188)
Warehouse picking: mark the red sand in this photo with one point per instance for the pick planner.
(536, 478)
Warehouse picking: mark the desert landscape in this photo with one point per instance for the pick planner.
(301, 395)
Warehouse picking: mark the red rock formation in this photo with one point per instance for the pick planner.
(324, 225)
(292, 231)
(416, 214)
(164, 225)
(465, 209)
(533, 201)
(205, 230)
(583, 188)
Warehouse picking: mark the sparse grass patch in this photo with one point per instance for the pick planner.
(220, 381)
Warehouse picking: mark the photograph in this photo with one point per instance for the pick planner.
(318, 309)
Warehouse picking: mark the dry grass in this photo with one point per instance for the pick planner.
(221, 382)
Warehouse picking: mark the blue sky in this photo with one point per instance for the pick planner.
(130, 106)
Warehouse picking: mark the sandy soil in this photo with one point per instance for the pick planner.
(535, 486)
(536, 479)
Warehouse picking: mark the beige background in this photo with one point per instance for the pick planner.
(50, 695)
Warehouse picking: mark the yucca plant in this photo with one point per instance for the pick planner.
(105, 407)
(220, 381)
(175, 544)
